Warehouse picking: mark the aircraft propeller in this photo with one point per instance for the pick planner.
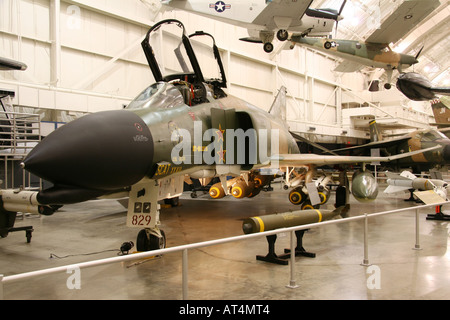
(418, 53)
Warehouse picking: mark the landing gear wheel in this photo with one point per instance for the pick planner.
(268, 47)
(174, 202)
(387, 86)
(282, 35)
(327, 45)
(147, 241)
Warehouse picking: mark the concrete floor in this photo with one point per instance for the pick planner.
(96, 230)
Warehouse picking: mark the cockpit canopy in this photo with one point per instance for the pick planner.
(160, 95)
(174, 61)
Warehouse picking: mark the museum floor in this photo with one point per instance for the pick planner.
(96, 230)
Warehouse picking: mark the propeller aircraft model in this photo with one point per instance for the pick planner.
(375, 52)
(183, 124)
(265, 18)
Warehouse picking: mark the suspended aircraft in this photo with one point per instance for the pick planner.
(9, 64)
(418, 88)
(265, 18)
(375, 51)
(183, 124)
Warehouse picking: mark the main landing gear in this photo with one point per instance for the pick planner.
(267, 38)
(148, 240)
(143, 212)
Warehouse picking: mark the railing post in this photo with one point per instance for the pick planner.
(185, 274)
(292, 283)
(366, 241)
(417, 245)
(1, 287)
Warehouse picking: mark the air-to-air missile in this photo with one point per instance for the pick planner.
(183, 124)
(418, 88)
(407, 181)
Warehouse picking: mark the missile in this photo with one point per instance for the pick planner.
(290, 219)
(23, 201)
(406, 181)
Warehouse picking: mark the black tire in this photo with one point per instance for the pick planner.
(268, 47)
(149, 242)
(282, 35)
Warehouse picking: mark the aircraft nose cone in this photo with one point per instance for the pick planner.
(104, 151)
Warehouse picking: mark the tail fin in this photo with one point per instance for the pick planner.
(405, 175)
(441, 111)
(375, 134)
(278, 108)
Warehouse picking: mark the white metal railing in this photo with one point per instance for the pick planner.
(184, 249)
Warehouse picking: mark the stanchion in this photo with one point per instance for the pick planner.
(365, 262)
(292, 284)
(417, 245)
(1, 287)
(185, 274)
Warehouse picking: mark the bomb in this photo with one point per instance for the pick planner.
(290, 219)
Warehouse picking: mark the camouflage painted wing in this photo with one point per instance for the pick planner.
(293, 160)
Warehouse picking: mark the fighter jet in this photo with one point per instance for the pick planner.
(264, 18)
(183, 124)
(375, 51)
(418, 88)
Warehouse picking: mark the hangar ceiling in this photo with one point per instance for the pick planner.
(433, 33)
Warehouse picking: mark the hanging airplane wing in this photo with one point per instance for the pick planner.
(293, 160)
(403, 20)
(282, 14)
(375, 144)
(349, 66)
